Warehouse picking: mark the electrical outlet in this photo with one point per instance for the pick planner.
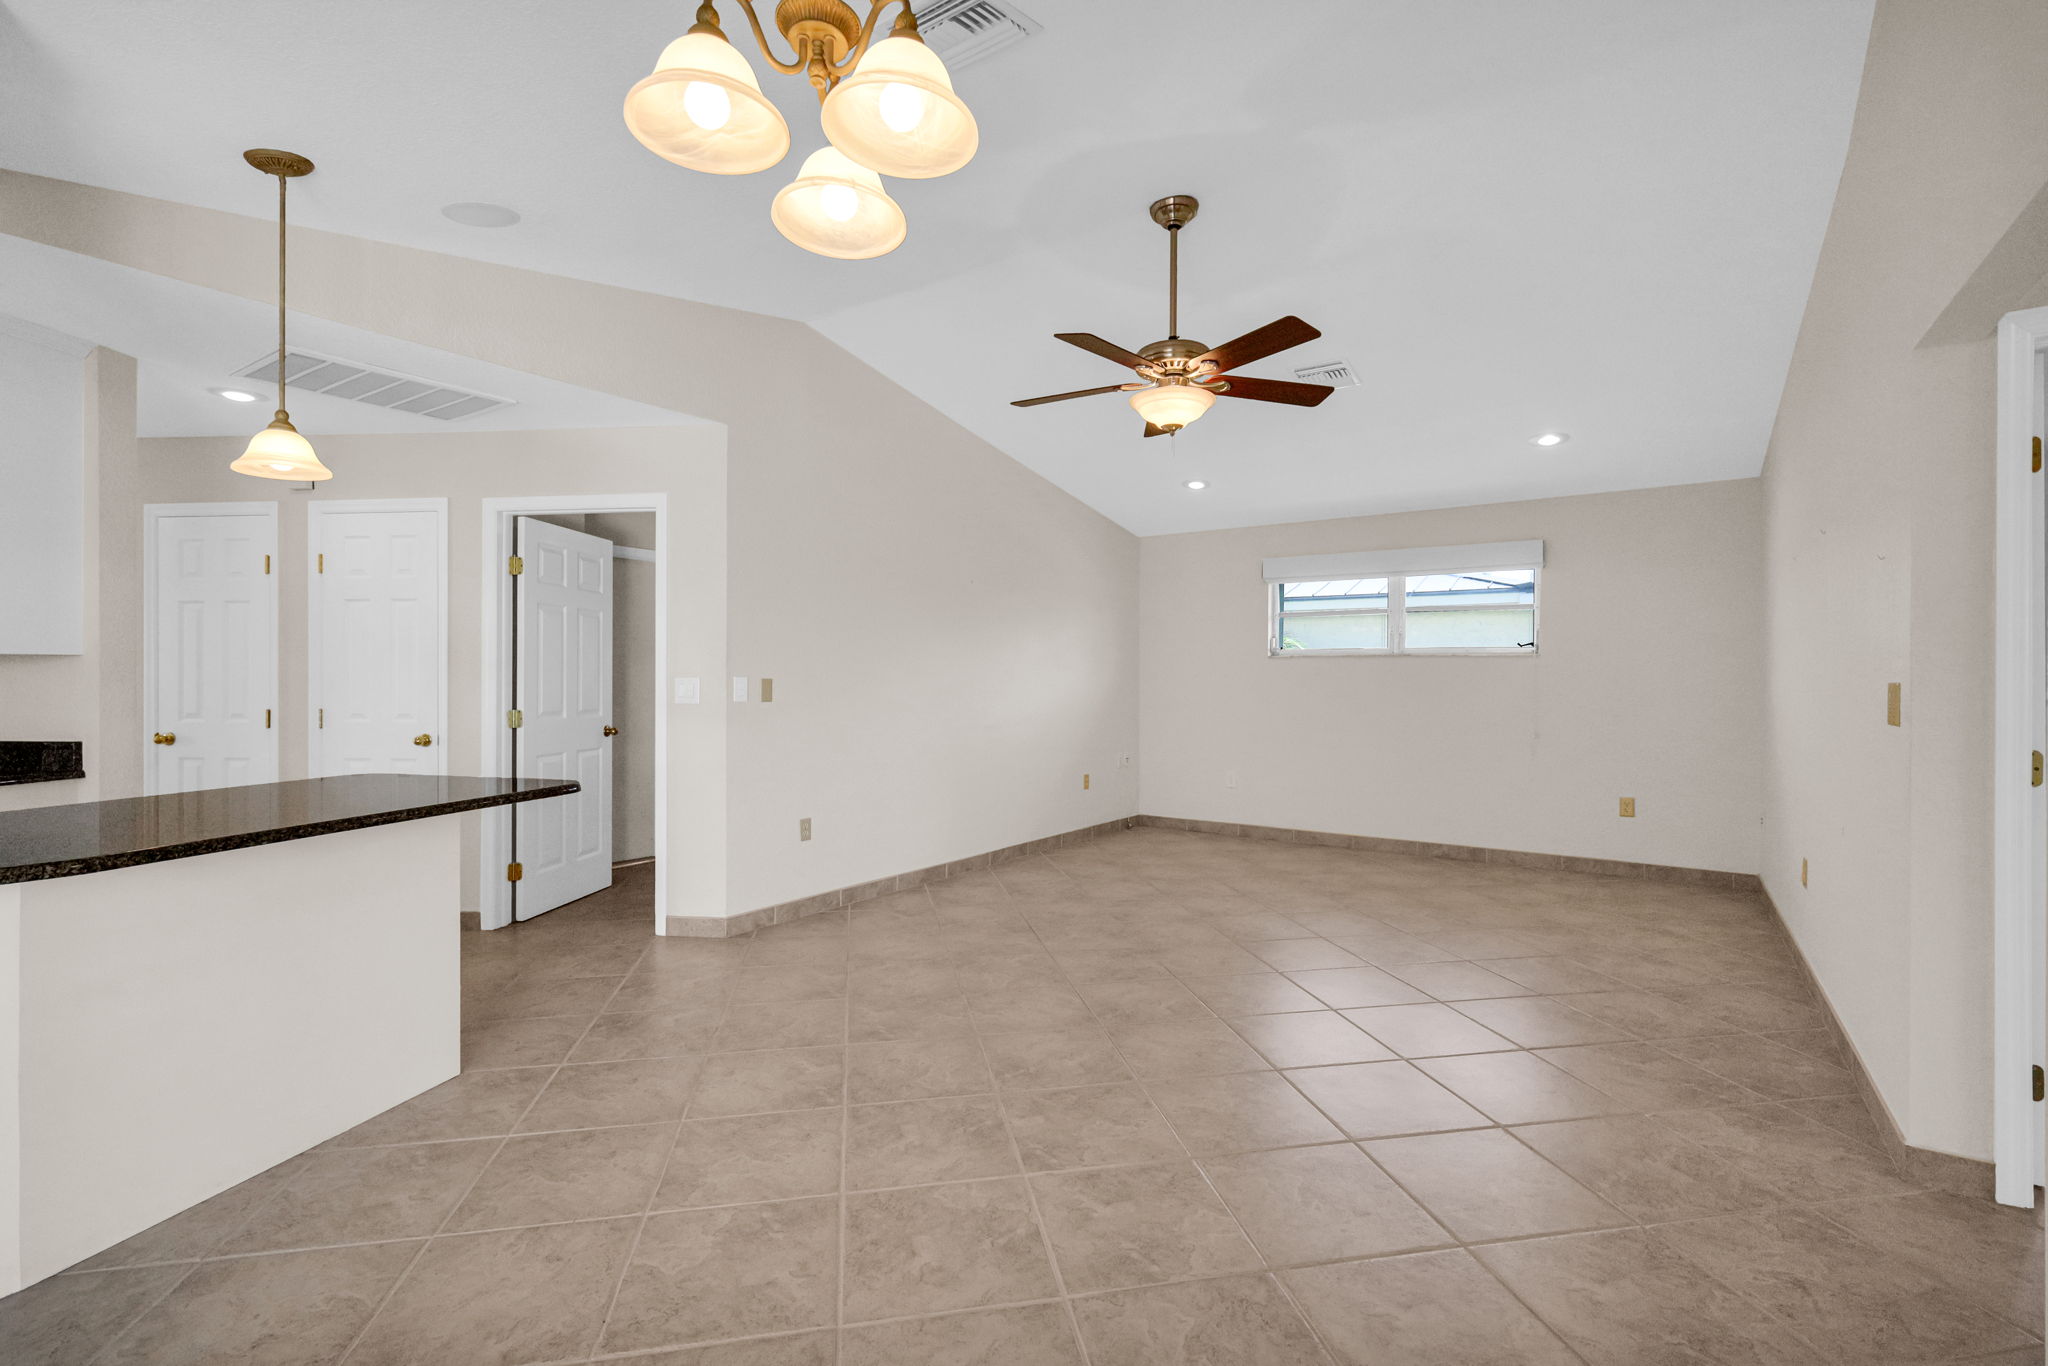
(686, 691)
(1084, 782)
(803, 829)
(1628, 806)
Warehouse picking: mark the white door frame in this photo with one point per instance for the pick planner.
(2020, 727)
(152, 514)
(316, 517)
(494, 905)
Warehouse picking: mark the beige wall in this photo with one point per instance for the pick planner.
(80, 697)
(687, 463)
(953, 639)
(1878, 533)
(1644, 685)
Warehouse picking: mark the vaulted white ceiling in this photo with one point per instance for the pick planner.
(1593, 216)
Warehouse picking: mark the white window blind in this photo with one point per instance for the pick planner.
(1436, 559)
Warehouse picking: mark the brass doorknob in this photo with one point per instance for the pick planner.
(611, 730)
(163, 737)
(423, 740)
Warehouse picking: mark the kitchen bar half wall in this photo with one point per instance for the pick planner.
(197, 986)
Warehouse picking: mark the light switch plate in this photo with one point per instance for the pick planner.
(739, 688)
(686, 690)
(803, 828)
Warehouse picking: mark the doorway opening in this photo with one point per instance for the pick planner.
(575, 643)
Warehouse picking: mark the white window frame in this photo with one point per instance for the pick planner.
(1397, 619)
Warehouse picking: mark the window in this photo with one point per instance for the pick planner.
(1407, 601)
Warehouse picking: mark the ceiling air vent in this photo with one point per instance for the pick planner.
(374, 385)
(1337, 373)
(963, 32)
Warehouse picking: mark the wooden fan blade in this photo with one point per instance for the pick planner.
(1151, 430)
(1276, 391)
(1055, 398)
(1108, 350)
(1261, 342)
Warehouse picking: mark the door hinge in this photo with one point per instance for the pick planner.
(2040, 1084)
(2037, 768)
(319, 564)
(515, 719)
(513, 872)
(323, 719)
(266, 718)
(514, 564)
(2037, 455)
(266, 558)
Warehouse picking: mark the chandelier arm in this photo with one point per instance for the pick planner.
(906, 22)
(789, 68)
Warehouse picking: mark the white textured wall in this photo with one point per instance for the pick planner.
(43, 472)
(1645, 685)
(1878, 515)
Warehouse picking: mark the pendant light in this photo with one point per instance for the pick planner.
(703, 108)
(278, 451)
(897, 113)
(836, 208)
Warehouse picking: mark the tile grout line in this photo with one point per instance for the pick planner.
(391, 1291)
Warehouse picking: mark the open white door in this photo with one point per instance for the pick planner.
(210, 658)
(562, 689)
(2019, 871)
(376, 647)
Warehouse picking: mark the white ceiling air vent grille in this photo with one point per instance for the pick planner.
(374, 385)
(963, 32)
(1337, 373)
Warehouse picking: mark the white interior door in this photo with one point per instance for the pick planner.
(562, 688)
(212, 662)
(377, 651)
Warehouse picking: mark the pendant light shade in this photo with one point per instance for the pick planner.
(279, 452)
(897, 113)
(703, 108)
(1170, 407)
(836, 208)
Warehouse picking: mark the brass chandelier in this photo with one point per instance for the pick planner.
(888, 108)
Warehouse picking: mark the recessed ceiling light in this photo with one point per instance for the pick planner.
(1195, 484)
(236, 395)
(1550, 439)
(480, 215)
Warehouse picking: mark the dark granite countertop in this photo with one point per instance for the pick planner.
(40, 761)
(93, 837)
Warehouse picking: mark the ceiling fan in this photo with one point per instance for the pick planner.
(1178, 378)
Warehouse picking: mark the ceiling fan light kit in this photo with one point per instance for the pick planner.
(278, 451)
(888, 108)
(1178, 379)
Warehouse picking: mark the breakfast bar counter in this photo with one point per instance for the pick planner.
(197, 986)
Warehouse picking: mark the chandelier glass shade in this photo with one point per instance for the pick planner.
(703, 108)
(837, 208)
(1170, 407)
(897, 113)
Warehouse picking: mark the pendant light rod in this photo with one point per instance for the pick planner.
(286, 166)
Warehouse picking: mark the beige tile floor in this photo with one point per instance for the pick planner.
(1165, 1098)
